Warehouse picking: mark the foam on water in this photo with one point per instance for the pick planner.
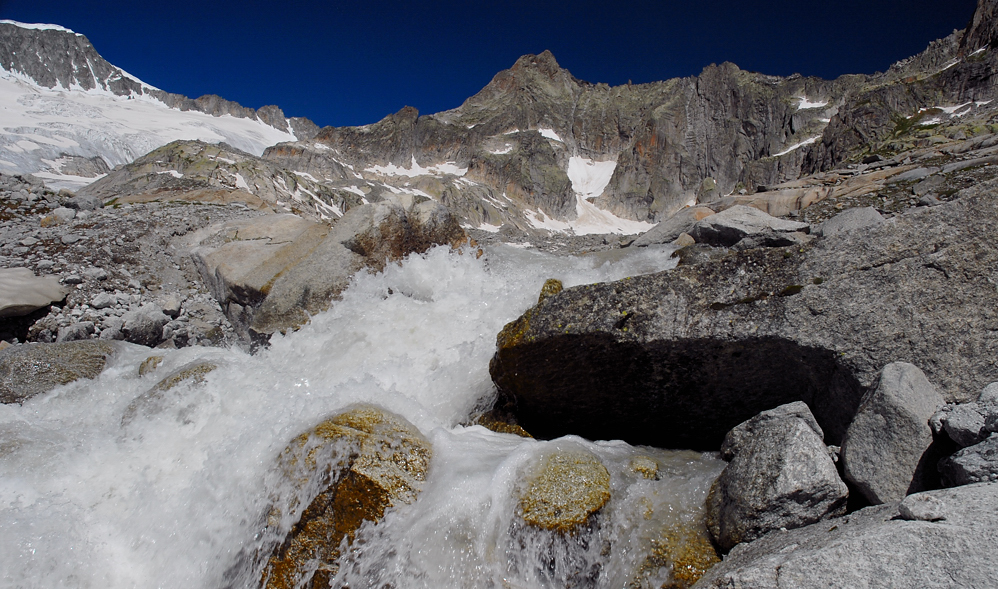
(171, 496)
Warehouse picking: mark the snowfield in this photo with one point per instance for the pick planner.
(41, 125)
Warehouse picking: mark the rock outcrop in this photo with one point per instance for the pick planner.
(708, 345)
(274, 272)
(944, 538)
(363, 462)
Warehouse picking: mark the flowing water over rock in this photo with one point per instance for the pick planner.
(177, 494)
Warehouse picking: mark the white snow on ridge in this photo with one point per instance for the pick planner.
(590, 220)
(550, 134)
(589, 178)
(797, 146)
(173, 173)
(502, 151)
(39, 124)
(38, 26)
(805, 103)
(447, 168)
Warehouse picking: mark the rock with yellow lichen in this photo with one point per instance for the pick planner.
(552, 286)
(685, 551)
(564, 490)
(362, 462)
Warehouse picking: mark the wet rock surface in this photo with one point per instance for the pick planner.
(362, 462)
(564, 491)
(26, 371)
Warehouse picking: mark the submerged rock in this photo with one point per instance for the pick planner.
(564, 491)
(33, 369)
(780, 475)
(363, 462)
(886, 452)
(154, 400)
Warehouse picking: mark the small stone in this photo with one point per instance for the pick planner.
(95, 273)
(76, 331)
(922, 507)
(73, 279)
(102, 301)
(70, 238)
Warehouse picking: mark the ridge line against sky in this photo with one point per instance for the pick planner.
(353, 63)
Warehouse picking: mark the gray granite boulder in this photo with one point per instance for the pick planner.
(672, 228)
(849, 220)
(32, 369)
(974, 464)
(964, 423)
(738, 222)
(716, 340)
(780, 475)
(144, 325)
(886, 452)
(944, 538)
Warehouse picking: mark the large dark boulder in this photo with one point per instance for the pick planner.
(678, 358)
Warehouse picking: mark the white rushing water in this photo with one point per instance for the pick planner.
(170, 498)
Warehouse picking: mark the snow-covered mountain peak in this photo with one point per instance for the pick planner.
(61, 99)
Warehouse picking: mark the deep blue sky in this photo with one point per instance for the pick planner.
(352, 63)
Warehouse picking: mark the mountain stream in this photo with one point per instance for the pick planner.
(172, 497)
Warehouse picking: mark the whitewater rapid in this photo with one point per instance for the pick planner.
(171, 498)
